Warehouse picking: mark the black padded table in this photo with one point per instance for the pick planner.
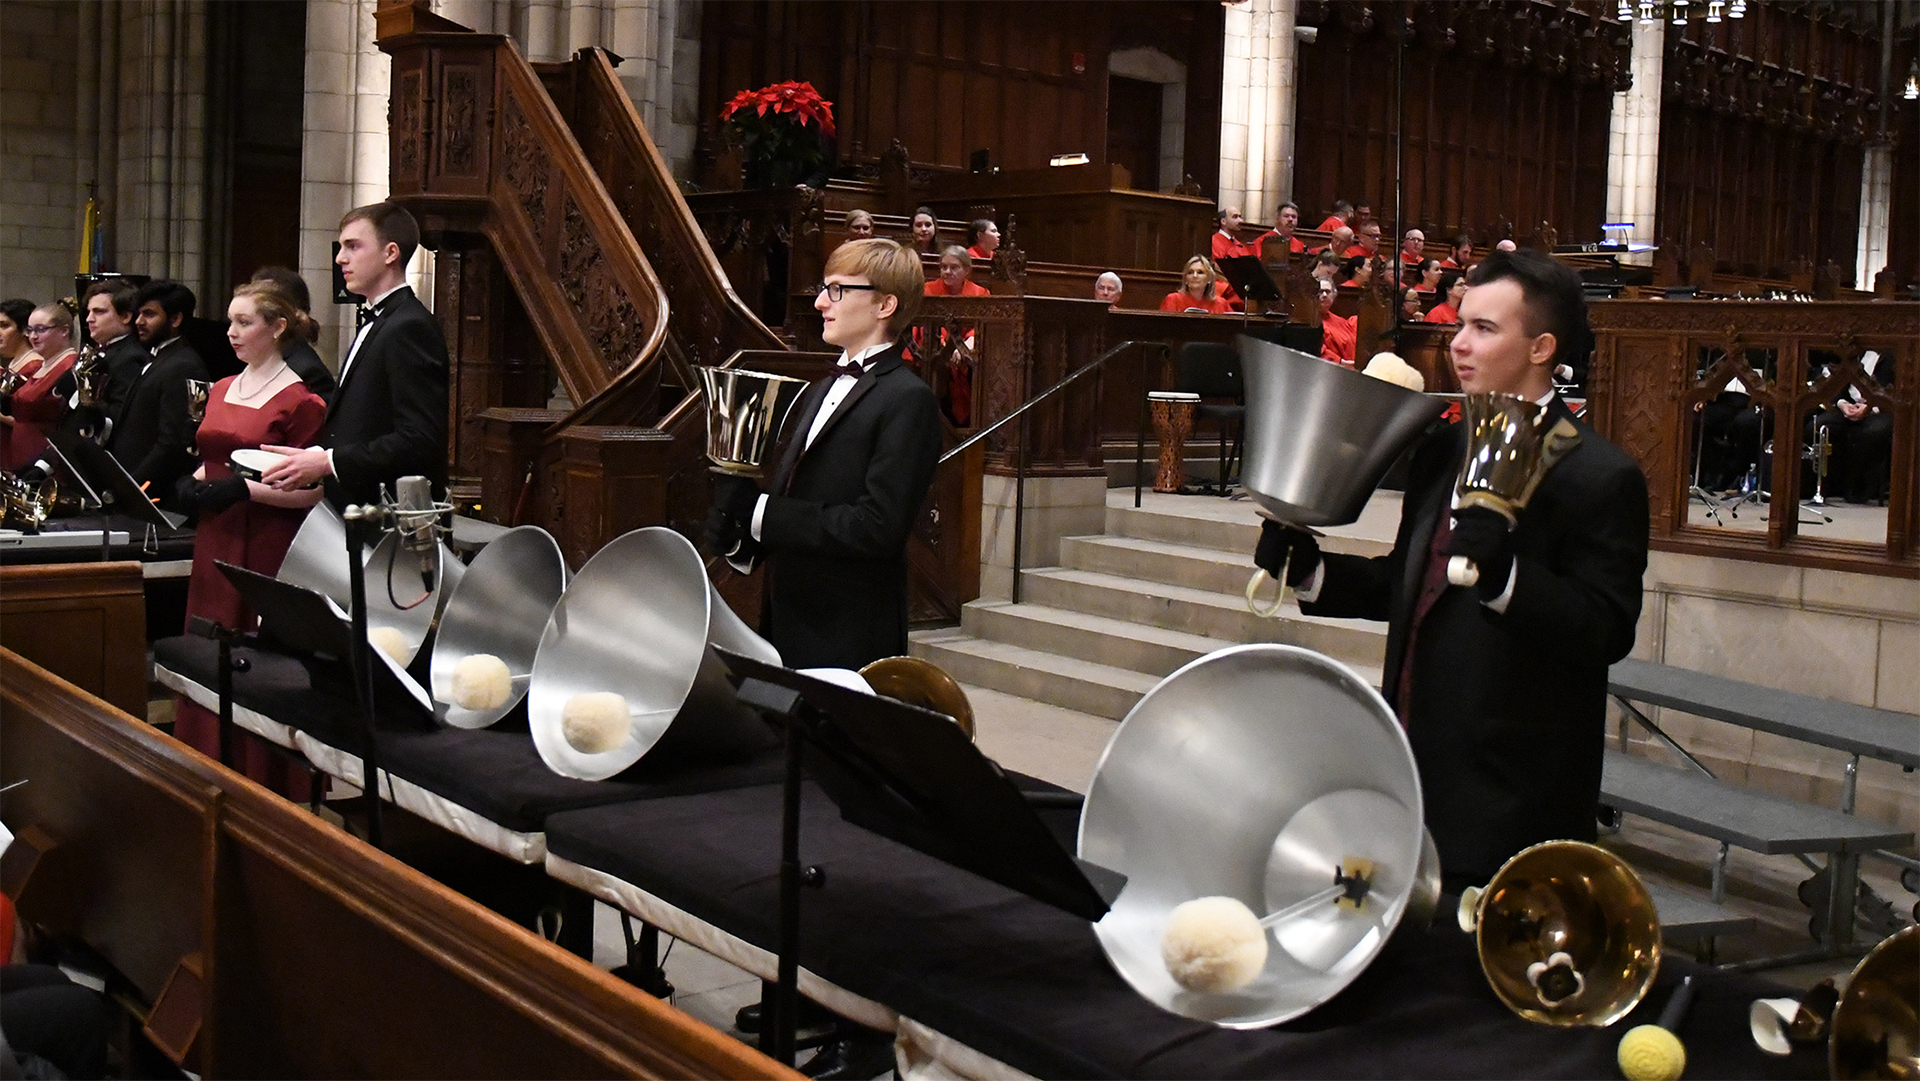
(488, 785)
(896, 935)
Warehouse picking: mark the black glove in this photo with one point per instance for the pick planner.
(187, 492)
(221, 494)
(1277, 542)
(723, 530)
(736, 496)
(1482, 535)
(34, 473)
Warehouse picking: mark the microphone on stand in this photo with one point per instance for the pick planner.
(416, 518)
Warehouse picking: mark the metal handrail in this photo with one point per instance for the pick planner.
(1020, 445)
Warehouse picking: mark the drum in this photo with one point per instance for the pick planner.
(1172, 422)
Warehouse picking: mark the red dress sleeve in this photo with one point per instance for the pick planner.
(301, 426)
(1222, 246)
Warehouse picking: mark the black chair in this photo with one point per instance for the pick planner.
(1212, 371)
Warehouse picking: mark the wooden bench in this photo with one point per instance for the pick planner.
(271, 944)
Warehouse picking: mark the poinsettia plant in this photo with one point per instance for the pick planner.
(783, 130)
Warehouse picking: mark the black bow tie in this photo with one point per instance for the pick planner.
(364, 314)
(850, 367)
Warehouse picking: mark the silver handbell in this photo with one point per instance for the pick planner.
(744, 413)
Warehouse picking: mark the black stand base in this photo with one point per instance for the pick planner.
(643, 968)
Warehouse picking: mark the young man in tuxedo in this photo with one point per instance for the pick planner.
(110, 325)
(152, 434)
(857, 453)
(1501, 685)
(388, 417)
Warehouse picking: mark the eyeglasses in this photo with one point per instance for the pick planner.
(836, 290)
(31, 329)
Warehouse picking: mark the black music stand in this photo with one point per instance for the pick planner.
(113, 489)
(911, 775)
(1249, 278)
(306, 622)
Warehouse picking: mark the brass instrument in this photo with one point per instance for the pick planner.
(921, 683)
(25, 505)
(1567, 934)
(744, 413)
(1510, 449)
(1875, 1029)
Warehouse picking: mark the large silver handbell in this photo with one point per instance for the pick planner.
(1510, 449)
(625, 667)
(490, 629)
(1319, 437)
(744, 413)
(1262, 779)
(402, 609)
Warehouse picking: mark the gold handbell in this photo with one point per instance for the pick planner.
(1510, 450)
(1567, 934)
(198, 391)
(11, 380)
(744, 413)
(920, 683)
(1876, 1026)
(27, 505)
(90, 377)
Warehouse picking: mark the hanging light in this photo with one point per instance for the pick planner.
(1714, 8)
(1912, 92)
(1737, 10)
(1679, 12)
(1647, 15)
(1626, 11)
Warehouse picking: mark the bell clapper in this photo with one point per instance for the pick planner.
(1555, 980)
(1351, 883)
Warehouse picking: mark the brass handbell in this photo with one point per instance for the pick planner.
(1510, 449)
(198, 391)
(90, 377)
(24, 504)
(1876, 1025)
(744, 412)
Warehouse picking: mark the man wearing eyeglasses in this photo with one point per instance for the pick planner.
(855, 458)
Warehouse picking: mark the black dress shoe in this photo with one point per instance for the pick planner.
(853, 1058)
(747, 1018)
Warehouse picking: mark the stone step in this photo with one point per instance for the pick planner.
(1152, 651)
(1160, 561)
(1232, 525)
(1098, 689)
(1201, 612)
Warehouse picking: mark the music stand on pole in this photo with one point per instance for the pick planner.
(1249, 278)
(911, 775)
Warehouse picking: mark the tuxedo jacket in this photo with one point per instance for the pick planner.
(1506, 710)
(124, 359)
(834, 534)
(305, 361)
(388, 417)
(153, 432)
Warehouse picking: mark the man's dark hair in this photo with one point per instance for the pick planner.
(1286, 204)
(173, 298)
(391, 223)
(1550, 290)
(118, 293)
(1341, 206)
(290, 283)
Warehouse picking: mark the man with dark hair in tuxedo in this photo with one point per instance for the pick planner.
(388, 417)
(152, 434)
(856, 456)
(1501, 685)
(109, 313)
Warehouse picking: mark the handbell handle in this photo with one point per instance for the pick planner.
(1253, 588)
(1462, 571)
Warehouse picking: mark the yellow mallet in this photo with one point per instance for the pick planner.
(1653, 1052)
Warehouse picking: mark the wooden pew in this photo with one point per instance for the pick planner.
(85, 621)
(305, 951)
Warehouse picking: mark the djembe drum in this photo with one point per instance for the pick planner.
(1172, 422)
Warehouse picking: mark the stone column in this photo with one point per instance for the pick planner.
(1876, 206)
(1257, 107)
(1633, 148)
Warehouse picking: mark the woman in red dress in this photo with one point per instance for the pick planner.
(1198, 295)
(36, 408)
(1454, 285)
(955, 266)
(244, 522)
